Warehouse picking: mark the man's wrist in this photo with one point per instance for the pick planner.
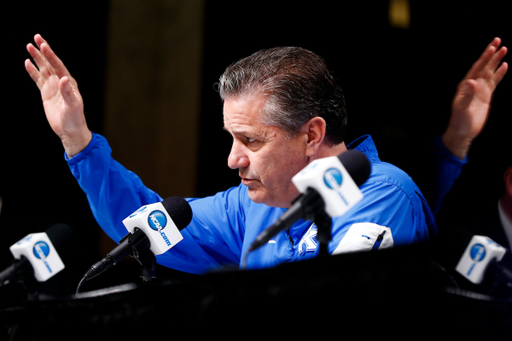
(74, 144)
(456, 144)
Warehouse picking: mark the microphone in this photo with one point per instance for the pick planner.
(482, 257)
(336, 179)
(38, 255)
(328, 185)
(155, 227)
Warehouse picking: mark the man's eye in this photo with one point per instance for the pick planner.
(249, 140)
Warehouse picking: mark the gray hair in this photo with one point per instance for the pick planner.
(297, 85)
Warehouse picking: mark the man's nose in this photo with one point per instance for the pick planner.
(237, 157)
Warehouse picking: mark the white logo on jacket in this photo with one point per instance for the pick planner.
(308, 243)
(363, 237)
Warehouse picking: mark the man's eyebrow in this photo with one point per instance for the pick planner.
(226, 130)
(240, 133)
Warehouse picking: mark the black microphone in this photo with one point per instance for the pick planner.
(155, 227)
(329, 185)
(40, 256)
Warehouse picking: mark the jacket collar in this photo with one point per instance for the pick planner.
(366, 145)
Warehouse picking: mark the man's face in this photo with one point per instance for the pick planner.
(266, 159)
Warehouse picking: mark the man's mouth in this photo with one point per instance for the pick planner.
(247, 181)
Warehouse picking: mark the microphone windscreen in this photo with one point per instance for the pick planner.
(179, 210)
(357, 165)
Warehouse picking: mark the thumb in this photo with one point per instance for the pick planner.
(66, 90)
(465, 93)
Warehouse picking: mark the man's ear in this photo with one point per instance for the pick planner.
(314, 134)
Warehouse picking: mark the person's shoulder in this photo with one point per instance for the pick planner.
(383, 175)
(386, 174)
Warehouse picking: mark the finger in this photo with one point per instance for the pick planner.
(36, 56)
(56, 64)
(497, 58)
(66, 90)
(495, 42)
(32, 71)
(39, 40)
(466, 92)
(40, 61)
(52, 62)
(479, 66)
(500, 73)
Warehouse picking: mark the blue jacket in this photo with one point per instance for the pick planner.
(392, 212)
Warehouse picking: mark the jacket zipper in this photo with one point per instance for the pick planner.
(380, 237)
(289, 237)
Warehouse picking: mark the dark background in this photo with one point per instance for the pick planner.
(399, 84)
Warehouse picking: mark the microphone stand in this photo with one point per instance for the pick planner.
(24, 275)
(314, 210)
(311, 207)
(324, 235)
(147, 260)
(138, 248)
(142, 254)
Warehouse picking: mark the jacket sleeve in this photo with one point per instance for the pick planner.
(445, 169)
(392, 212)
(113, 193)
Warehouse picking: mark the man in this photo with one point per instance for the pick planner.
(283, 110)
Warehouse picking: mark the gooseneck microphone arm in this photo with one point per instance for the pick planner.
(305, 206)
(153, 229)
(15, 271)
(323, 222)
(309, 206)
(134, 244)
(21, 271)
(329, 187)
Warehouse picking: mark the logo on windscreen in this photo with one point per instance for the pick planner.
(157, 220)
(477, 252)
(41, 251)
(333, 178)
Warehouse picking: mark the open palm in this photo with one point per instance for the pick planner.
(62, 101)
(472, 101)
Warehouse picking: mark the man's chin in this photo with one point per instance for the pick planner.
(263, 198)
(256, 196)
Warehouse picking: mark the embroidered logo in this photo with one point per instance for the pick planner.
(308, 243)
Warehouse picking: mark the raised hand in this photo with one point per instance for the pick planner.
(472, 101)
(62, 101)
